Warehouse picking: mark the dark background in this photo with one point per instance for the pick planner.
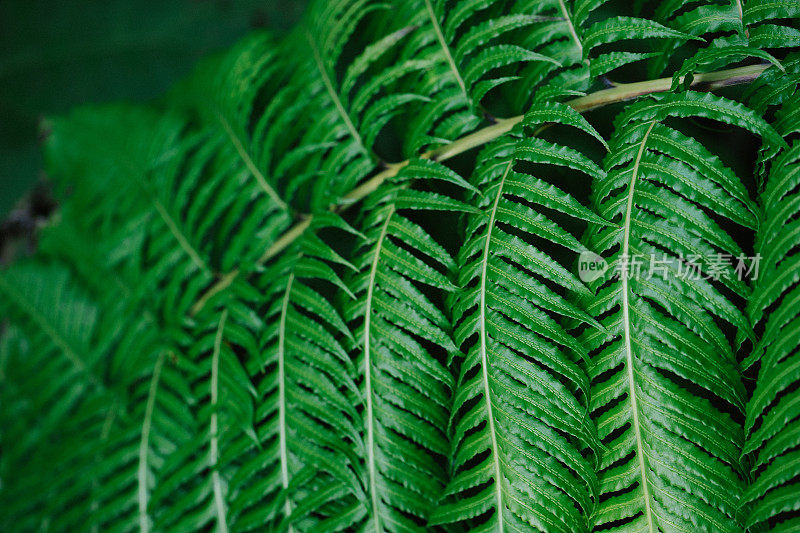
(55, 54)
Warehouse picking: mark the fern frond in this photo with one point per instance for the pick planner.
(308, 393)
(476, 51)
(589, 45)
(771, 426)
(144, 419)
(672, 455)
(774, 86)
(29, 302)
(771, 23)
(223, 409)
(402, 348)
(223, 93)
(52, 366)
(521, 386)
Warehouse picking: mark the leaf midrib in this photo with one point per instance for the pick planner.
(49, 329)
(180, 237)
(326, 80)
(287, 505)
(626, 326)
(144, 444)
(571, 26)
(370, 417)
(219, 502)
(250, 164)
(440, 37)
(484, 358)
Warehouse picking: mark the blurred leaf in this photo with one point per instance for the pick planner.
(57, 54)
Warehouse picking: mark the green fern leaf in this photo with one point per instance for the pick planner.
(770, 426)
(646, 441)
(518, 361)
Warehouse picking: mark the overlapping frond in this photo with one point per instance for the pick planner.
(521, 432)
(772, 24)
(590, 41)
(729, 27)
(50, 374)
(667, 394)
(402, 347)
(349, 90)
(300, 469)
(772, 427)
(476, 48)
